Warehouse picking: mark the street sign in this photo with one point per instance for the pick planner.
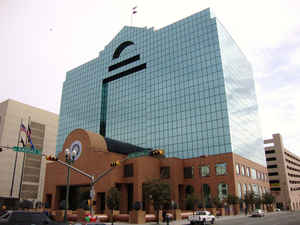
(27, 150)
(138, 154)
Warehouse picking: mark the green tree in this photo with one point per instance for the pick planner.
(268, 199)
(216, 202)
(249, 199)
(191, 201)
(113, 200)
(157, 192)
(232, 199)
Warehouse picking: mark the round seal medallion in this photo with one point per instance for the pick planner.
(76, 145)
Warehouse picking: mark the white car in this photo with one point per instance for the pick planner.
(259, 213)
(202, 217)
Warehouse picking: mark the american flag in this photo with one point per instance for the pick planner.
(23, 128)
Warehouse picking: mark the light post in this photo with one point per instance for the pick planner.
(70, 157)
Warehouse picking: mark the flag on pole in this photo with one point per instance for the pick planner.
(22, 141)
(134, 11)
(28, 131)
(23, 128)
(30, 141)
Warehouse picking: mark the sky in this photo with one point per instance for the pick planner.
(40, 40)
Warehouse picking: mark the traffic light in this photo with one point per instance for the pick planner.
(51, 158)
(116, 163)
(157, 152)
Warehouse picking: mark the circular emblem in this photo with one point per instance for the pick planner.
(76, 146)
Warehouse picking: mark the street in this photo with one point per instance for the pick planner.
(278, 218)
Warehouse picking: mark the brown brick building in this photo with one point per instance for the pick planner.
(210, 176)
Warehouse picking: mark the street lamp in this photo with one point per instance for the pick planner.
(70, 158)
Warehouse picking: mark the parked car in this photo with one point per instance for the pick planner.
(27, 218)
(201, 217)
(259, 213)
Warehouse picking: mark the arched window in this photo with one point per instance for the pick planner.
(245, 189)
(222, 190)
(240, 190)
(206, 192)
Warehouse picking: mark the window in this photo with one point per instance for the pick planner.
(221, 169)
(249, 188)
(270, 151)
(245, 189)
(128, 170)
(274, 181)
(248, 171)
(273, 174)
(188, 172)
(237, 168)
(240, 190)
(253, 173)
(223, 190)
(272, 166)
(271, 159)
(204, 171)
(275, 189)
(206, 192)
(255, 188)
(164, 172)
(243, 170)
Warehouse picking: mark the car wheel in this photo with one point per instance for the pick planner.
(191, 223)
(204, 222)
(212, 221)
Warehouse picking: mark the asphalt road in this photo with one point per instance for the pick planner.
(279, 218)
(276, 218)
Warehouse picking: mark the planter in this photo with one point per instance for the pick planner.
(112, 214)
(176, 214)
(59, 215)
(212, 211)
(221, 211)
(137, 217)
(236, 209)
(80, 214)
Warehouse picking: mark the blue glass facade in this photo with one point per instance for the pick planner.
(185, 88)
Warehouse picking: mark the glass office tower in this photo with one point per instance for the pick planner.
(186, 88)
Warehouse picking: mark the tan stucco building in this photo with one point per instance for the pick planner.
(43, 125)
(284, 173)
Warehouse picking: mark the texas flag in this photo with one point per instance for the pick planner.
(134, 11)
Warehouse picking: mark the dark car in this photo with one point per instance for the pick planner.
(26, 218)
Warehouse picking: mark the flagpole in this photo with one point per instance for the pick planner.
(21, 181)
(15, 164)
